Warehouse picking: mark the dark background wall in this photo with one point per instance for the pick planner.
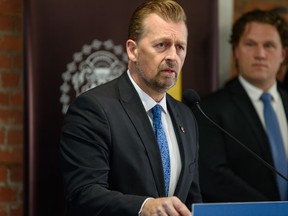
(36, 136)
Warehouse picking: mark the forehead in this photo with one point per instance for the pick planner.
(260, 32)
(155, 26)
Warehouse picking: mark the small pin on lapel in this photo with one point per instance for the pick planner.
(182, 128)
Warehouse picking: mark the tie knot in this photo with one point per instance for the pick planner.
(156, 111)
(266, 97)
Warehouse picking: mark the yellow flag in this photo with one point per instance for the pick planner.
(176, 91)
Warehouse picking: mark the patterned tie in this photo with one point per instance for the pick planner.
(276, 143)
(163, 144)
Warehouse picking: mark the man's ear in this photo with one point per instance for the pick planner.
(131, 48)
(235, 52)
(285, 54)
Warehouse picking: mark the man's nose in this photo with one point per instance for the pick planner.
(260, 52)
(172, 53)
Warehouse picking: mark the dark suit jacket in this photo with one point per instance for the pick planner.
(229, 173)
(111, 159)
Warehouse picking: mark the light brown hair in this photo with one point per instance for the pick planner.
(168, 10)
(260, 16)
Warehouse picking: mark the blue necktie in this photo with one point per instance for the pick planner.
(276, 143)
(163, 144)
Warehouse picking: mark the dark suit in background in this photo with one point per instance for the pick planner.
(227, 171)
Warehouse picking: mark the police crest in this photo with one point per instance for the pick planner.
(96, 64)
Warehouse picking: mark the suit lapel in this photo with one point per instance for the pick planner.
(241, 99)
(284, 97)
(181, 139)
(135, 110)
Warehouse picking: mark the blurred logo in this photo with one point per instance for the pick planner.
(96, 64)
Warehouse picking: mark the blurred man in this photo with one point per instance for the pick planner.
(228, 173)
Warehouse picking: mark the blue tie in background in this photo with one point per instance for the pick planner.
(276, 143)
(163, 144)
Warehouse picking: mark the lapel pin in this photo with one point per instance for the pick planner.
(182, 128)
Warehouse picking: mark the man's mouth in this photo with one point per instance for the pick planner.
(259, 65)
(168, 71)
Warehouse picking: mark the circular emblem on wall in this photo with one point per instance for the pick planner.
(97, 63)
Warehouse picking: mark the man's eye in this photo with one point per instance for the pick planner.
(268, 45)
(179, 47)
(250, 44)
(160, 45)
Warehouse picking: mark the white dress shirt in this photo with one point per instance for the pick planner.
(175, 160)
(255, 93)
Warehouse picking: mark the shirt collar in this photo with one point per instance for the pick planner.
(255, 93)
